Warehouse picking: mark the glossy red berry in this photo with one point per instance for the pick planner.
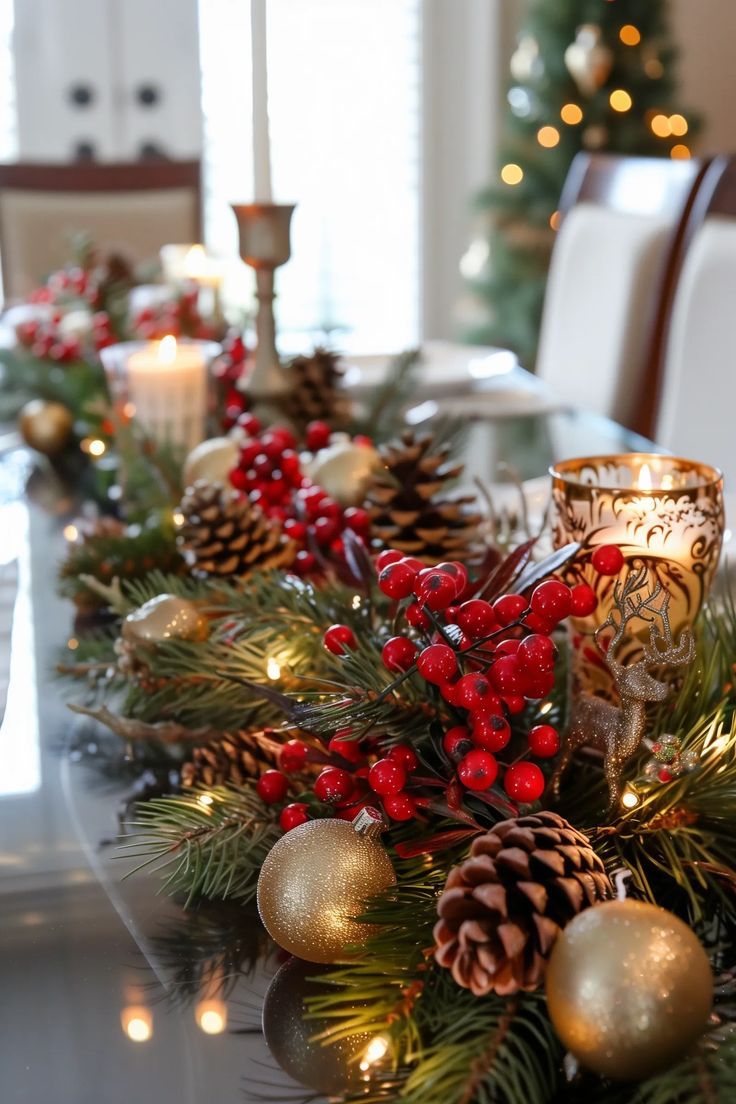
(272, 786)
(305, 562)
(293, 815)
(524, 782)
(584, 600)
(249, 423)
(293, 756)
(334, 784)
(435, 590)
(400, 806)
(449, 692)
(456, 571)
(506, 675)
(388, 556)
(405, 756)
(477, 770)
(294, 529)
(317, 435)
(544, 741)
(416, 616)
(607, 559)
(539, 684)
(339, 639)
(536, 653)
(491, 733)
(475, 691)
(507, 647)
(552, 599)
(357, 519)
(399, 653)
(415, 564)
(509, 608)
(514, 702)
(456, 742)
(386, 777)
(325, 530)
(437, 663)
(397, 580)
(342, 744)
(476, 618)
(537, 624)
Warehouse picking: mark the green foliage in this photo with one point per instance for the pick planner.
(516, 218)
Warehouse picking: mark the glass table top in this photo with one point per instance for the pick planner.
(101, 997)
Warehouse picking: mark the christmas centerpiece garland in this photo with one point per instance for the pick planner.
(367, 709)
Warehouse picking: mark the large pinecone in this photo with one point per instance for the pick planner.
(315, 392)
(232, 759)
(502, 909)
(409, 509)
(224, 534)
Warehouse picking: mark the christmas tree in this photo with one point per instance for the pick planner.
(587, 75)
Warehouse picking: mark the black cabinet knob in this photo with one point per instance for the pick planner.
(148, 95)
(84, 151)
(81, 95)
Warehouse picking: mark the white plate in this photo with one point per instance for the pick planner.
(445, 369)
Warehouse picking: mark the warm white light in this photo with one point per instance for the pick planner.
(211, 1016)
(629, 798)
(205, 799)
(97, 447)
(167, 349)
(195, 261)
(545, 709)
(357, 601)
(137, 1022)
(644, 479)
(374, 1052)
(512, 174)
(129, 410)
(71, 532)
(620, 100)
(273, 670)
(178, 518)
(72, 643)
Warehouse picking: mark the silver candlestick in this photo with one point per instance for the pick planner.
(264, 245)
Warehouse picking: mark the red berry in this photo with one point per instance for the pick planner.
(400, 806)
(291, 466)
(539, 684)
(415, 564)
(297, 530)
(456, 571)
(584, 600)
(664, 774)
(607, 559)
(537, 624)
(292, 756)
(397, 580)
(524, 782)
(357, 519)
(449, 692)
(509, 608)
(272, 786)
(325, 529)
(474, 691)
(317, 435)
(536, 653)
(293, 815)
(456, 742)
(342, 744)
(544, 741)
(437, 663)
(506, 675)
(405, 755)
(477, 770)
(476, 618)
(491, 733)
(514, 703)
(388, 556)
(416, 616)
(552, 599)
(399, 653)
(334, 784)
(239, 479)
(305, 562)
(507, 647)
(386, 777)
(435, 590)
(338, 639)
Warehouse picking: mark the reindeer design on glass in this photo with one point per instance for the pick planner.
(617, 731)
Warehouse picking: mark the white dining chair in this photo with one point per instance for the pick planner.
(619, 238)
(698, 387)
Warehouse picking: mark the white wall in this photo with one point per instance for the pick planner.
(705, 31)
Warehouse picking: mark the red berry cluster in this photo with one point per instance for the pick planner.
(46, 341)
(270, 472)
(178, 316)
(227, 370)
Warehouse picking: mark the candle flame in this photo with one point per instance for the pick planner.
(195, 261)
(167, 349)
(644, 481)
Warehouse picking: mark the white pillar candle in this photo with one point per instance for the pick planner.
(259, 67)
(167, 385)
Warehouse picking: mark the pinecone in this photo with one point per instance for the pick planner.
(407, 507)
(502, 909)
(224, 534)
(314, 390)
(232, 759)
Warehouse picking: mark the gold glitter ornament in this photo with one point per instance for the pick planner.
(629, 989)
(316, 879)
(45, 426)
(294, 1041)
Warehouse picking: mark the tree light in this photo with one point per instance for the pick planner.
(555, 219)
(512, 174)
(629, 798)
(374, 1052)
(630, 35)
(273, 670)
(548, 136)
(70, 532)
(680, 152)
(571, 114)
(678, 125)
(205, 800)
(211, 1016)
(137, 1022)
(620, 100)
(661, 126)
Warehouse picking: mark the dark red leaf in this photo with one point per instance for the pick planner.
(440, 842)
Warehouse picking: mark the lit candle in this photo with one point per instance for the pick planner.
(167, 386)
(259, 67)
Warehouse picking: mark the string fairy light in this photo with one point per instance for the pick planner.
(512, 174)
(630, 35)
(571, 113)
(680, 152)
(548, 137)
(678, 125)
(661, 126)
(620, 100)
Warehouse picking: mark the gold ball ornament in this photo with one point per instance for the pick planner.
(212, 460)
(165, 617)
(45, 426)
(344, 469)
(293, 1040)
(316, 879)
(629, 989)
(589, 61)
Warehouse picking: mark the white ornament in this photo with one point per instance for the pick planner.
(211, 460)
(343, 469)
(588, 60)
(76, 323)
(165, 617)
(526, 64)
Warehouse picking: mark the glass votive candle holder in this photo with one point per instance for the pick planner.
(664, 512)
(164, 385)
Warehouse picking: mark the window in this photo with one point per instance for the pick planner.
(344, 105)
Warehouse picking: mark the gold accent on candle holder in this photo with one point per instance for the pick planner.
(264, 245)
(662, 511)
